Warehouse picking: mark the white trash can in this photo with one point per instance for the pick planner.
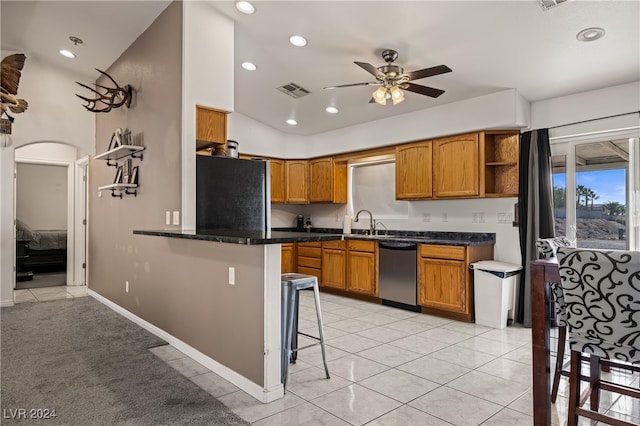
(494, 291)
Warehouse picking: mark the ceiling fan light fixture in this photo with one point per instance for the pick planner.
(397, 95)
(245, 7)
(380, 95)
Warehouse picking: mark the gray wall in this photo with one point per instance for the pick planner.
(178, 285)
(41, 196)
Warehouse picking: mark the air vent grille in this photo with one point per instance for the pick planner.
(293, 90)
(549, 4)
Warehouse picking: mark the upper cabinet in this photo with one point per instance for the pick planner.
(211, 128)
(414, 171)
(297, 181)
(327, 181)
(277, 180)
(501, 156)
(456, 166)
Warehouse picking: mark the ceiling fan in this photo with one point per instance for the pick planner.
(393, 80)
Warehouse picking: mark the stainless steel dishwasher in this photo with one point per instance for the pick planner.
(397, 274)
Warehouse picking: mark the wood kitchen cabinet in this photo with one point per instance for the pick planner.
(362, 267)
(309, 259)
(211, 128)
(456, 166)
(414, 171)
(327, 180)
(445, 283)
(334, 264)
(277, 178)
(297, 181)
(501, 158)
(288, 258)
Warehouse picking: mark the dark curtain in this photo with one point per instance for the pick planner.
(535, 209)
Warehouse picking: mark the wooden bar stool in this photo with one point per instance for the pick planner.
(291, 285)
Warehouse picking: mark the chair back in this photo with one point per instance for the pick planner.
(602, 298)
(548, 249)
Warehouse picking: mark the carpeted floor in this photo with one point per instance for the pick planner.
(93, 367)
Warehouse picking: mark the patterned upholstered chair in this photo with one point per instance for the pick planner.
(602, 298)
(548, 249)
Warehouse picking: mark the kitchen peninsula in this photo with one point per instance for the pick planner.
(224, 307)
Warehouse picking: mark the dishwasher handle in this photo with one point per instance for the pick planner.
(398, 245)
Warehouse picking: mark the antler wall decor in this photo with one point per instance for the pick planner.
(110, 99)
(10, 78)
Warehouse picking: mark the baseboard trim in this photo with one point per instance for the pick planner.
(6, 303)
(253, 389)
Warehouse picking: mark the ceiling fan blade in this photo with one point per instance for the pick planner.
(428, 72)
(372, 101)
(424, 90)
(371, 69)
(353, 84)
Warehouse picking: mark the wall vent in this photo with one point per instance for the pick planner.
(549, 4)
(293, 90)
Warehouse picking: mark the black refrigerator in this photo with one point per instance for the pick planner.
(232, 194)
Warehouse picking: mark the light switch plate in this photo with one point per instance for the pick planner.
(167, 216)
(176, 218)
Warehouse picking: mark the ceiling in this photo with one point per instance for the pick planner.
(489, 45)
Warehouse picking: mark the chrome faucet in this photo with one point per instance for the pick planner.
(372, 226)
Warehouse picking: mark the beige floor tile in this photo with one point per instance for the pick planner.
(514, 335)
(188, 367)
(329, 332)
(488, 346)
(377, 318)
(167, 353)
(407, 416)
(214, 384)
(312, 383)
(351, 325)
(389, 355)
(418, 344)
(444, 335)
(50, 293)
(313, 355)
(356, 404)
(355, 368)
(490, 388)
(303, 414)
(524, 404)
(383, 334)
(510, 418)
(466, 327)
(77, 290)
(410, 326)
(461, 356)
(401, 313)
(253, 410)
(522, 354)
(350, 312)
(456, 407)
(23, 296)
(434, 370)
(431, 320)
(509, 370)
(352, 343)
(401, 386)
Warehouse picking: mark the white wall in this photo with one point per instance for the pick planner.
(207, 79)
(41, 196)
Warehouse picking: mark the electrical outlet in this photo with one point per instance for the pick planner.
(426, 217)
(126, 286)
(481, 217)
(167, 217)
(99, 194)
(232, 275)
(176, 218)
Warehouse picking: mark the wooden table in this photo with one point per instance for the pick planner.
(543, 272)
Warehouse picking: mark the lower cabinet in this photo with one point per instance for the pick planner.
(309, 259)
(362, 267)
(288, 258)
(445, 283)
(334, 264)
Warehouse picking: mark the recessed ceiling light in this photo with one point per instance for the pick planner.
(298, 40)
(590, 34)
(245, 7)
(249, 66)
(292, 122)
(67, 53)
(331, 110)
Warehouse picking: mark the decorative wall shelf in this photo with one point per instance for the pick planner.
(117, 189)
(122, 151)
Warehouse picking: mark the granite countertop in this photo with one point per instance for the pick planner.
(289, 235)
(243, 237)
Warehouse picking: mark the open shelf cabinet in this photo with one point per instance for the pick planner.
(501, 163)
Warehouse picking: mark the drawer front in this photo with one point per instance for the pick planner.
(310, 244)
(311, 262)
(442, 252)
(359, 245)
(338, 245)
(310, 271)
(309, 251)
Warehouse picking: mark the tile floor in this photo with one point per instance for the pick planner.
(393, 367)
(43, 294)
